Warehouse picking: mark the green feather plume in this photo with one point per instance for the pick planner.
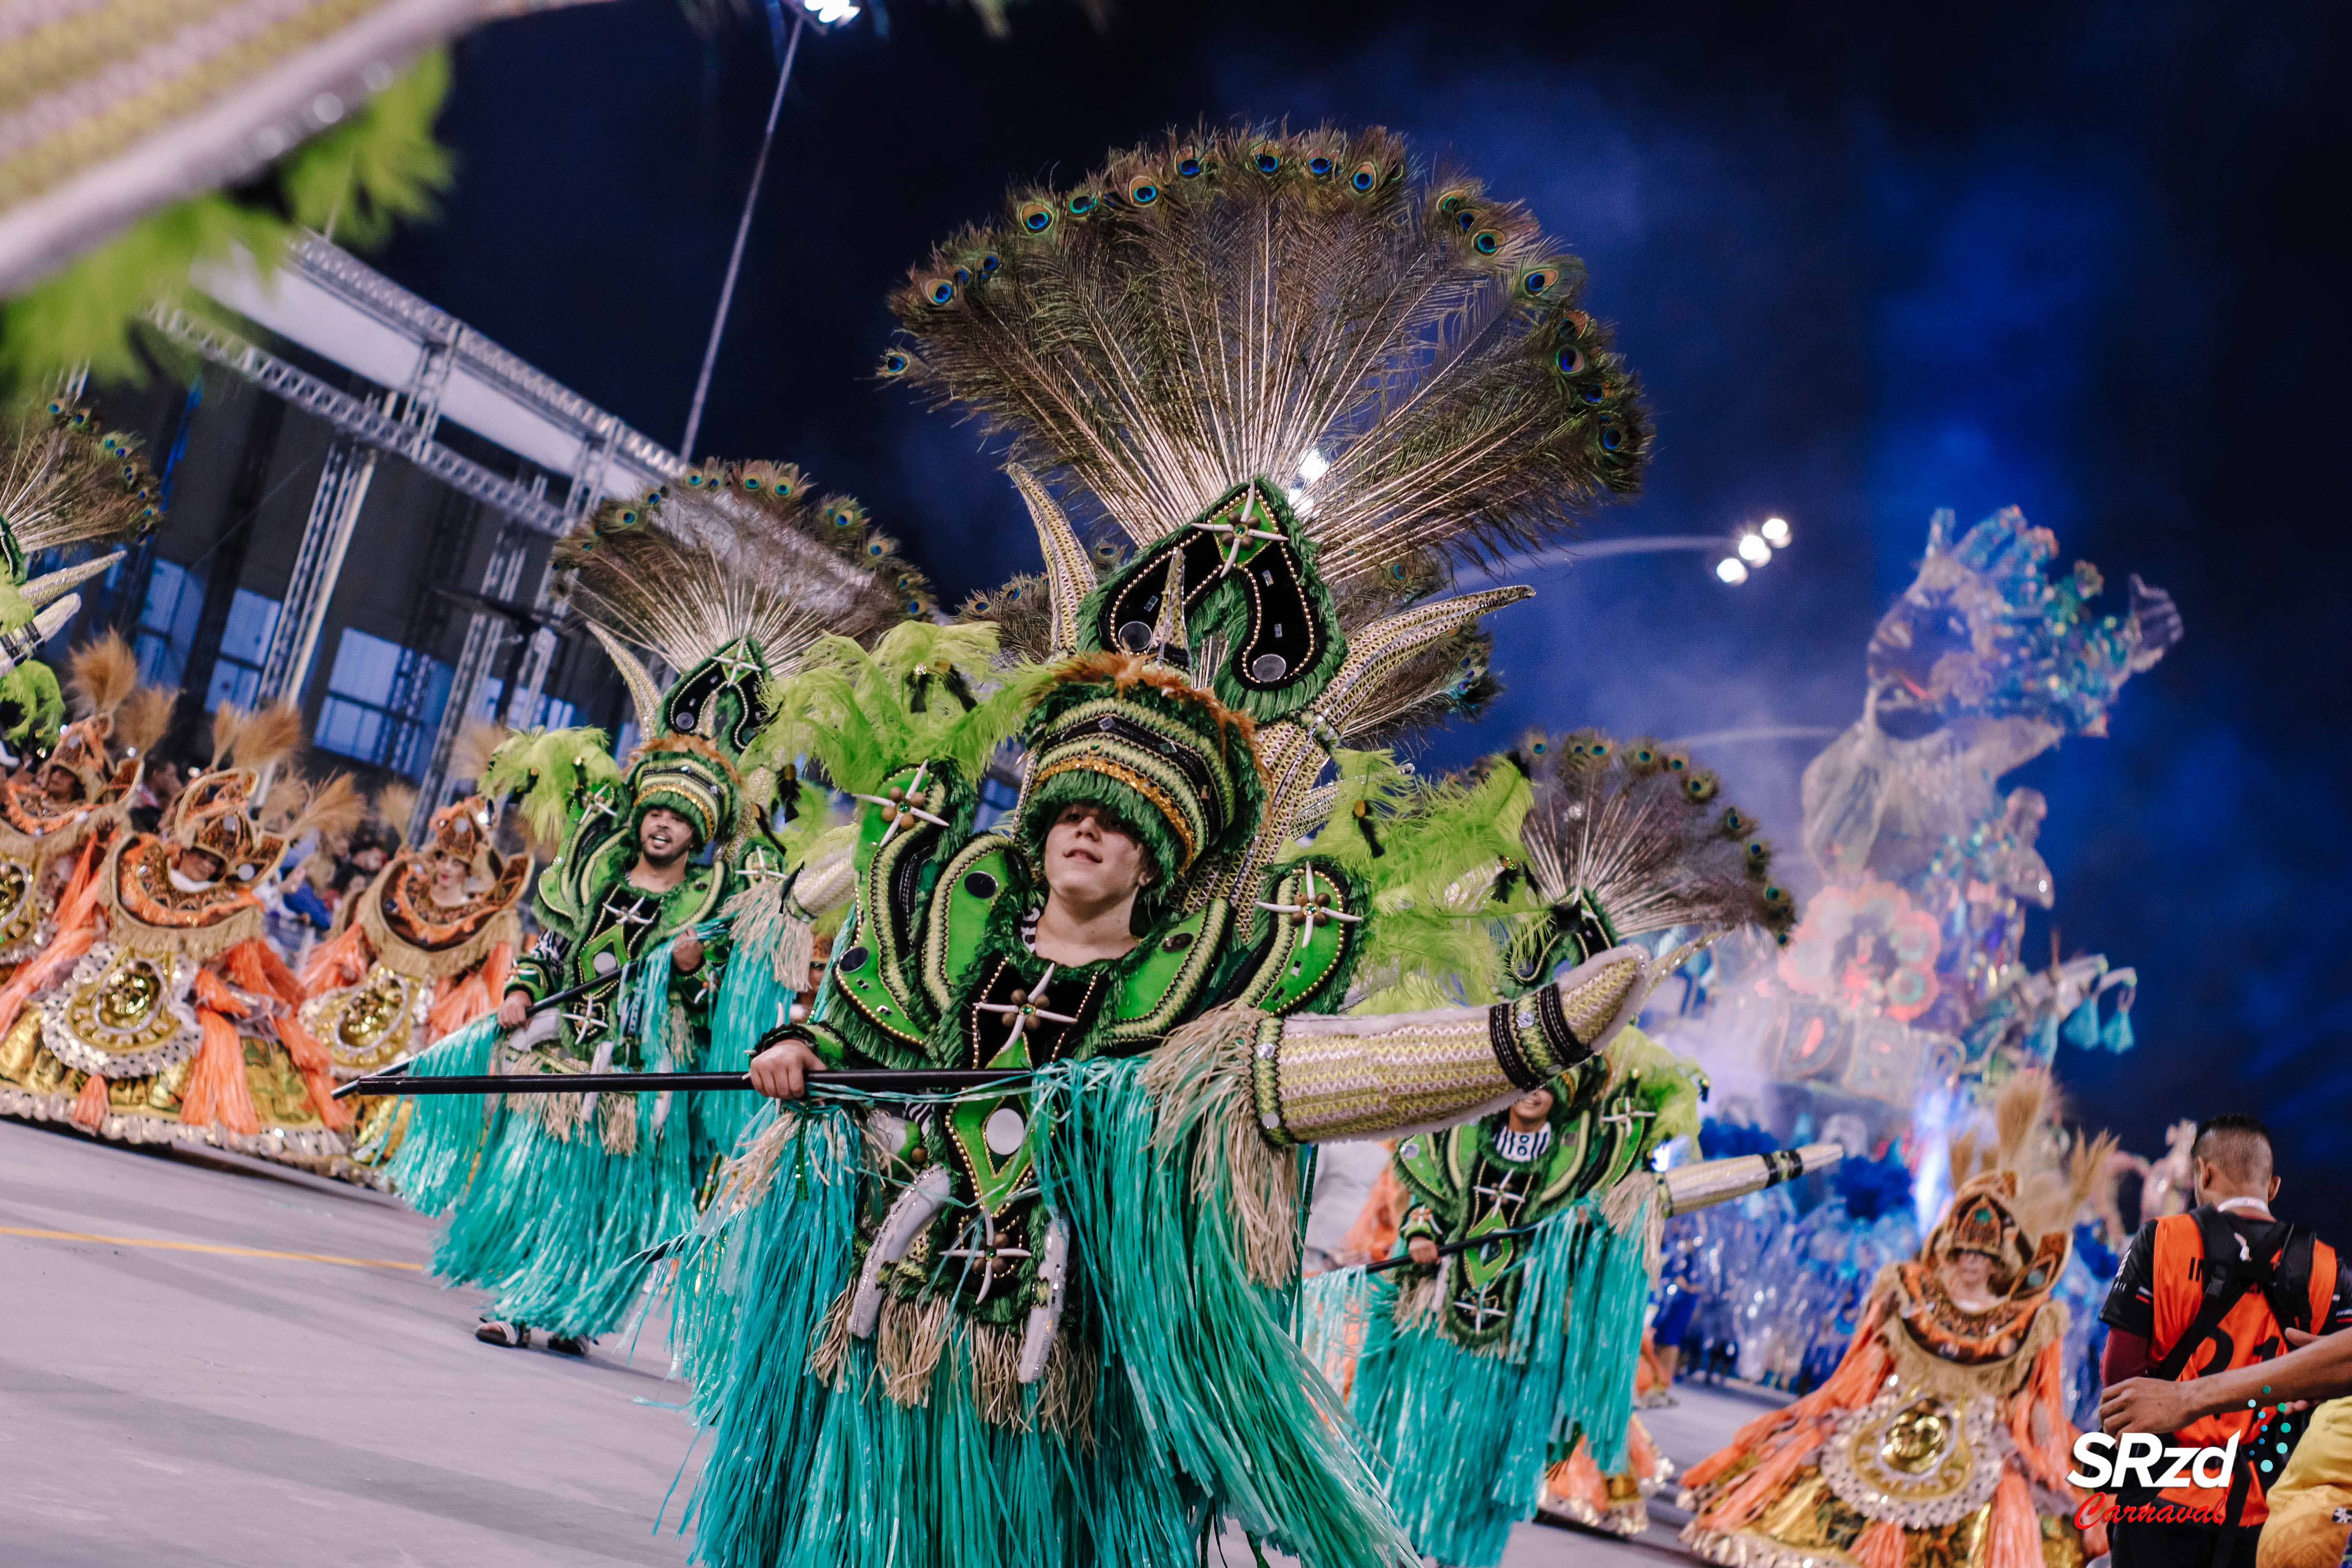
(1669, 1085)
(31, 707)
(1430, 851)
(856, 712)
(550, 769)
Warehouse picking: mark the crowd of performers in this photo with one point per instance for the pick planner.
(1003, 1261)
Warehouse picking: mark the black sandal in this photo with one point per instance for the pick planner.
(491, 1331)
(566, 1344)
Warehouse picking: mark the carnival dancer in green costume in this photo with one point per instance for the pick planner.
(1513, 1324)
(1045, 1322)
(557, 1197)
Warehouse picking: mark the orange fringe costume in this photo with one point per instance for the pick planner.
(1941, 1440)
(164, 1013)
(410, 968)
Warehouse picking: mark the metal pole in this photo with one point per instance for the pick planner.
(742, 233)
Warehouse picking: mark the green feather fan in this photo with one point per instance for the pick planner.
(31, 707)
(1431, 851)
(917, 697)
(550, 769)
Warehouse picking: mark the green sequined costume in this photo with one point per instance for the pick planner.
(556, 1197)
(1047, 1322)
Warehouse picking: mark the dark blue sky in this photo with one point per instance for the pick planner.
(2084, 258)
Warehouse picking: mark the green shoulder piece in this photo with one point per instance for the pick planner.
(863, 983)
(1307, 932)
(1424, 1165)
(977, 879)
(569, 887)
(1573, 1140)
(1162, 987)
(898, 850)
(1618, 1138)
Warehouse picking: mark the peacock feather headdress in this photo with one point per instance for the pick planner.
(726, 578)
(64, 479)
(1627, 839)
(1299, 376)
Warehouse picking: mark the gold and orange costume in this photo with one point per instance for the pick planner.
(409, 968)
(159, 1012)
(1942, 1438)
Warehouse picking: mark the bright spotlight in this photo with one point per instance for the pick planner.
(1775, 532)
(1753, 550)
(1313, 465)
(1731, 569)
(828, 13)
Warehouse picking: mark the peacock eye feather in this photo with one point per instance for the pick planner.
(1320, 165)
(1595, 393)
(1081, 204)
(1534, 284)
(939, 291)
(874, 548)
(1571, 360)
(989, 262)
(1465, 218)
(896, 363)
(1142, 192)
(1188, 168)
(1266, 161)
(1036, 217)
(1486, 242)
(963, 276)
(1366, 178)
(1612, 435)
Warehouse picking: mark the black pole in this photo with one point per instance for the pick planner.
(1403, 1258)
(876, 1080)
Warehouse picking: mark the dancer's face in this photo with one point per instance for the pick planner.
(1090, 861)
(664, 836)
(1969, 1273)
(197, 867)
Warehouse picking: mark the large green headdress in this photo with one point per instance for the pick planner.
(1299, 377)
(726, 576)
(1171, 761)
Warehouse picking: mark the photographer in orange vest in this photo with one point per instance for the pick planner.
(2207, 1293)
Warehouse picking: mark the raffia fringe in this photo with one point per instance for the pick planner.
(906, 1347)
(1633, 1202)
(828, 1355)
(996, 1390)
(197, 944)
(1961, 1384)
(1882, 1545)
(1202, 1074)
(1065, 1394)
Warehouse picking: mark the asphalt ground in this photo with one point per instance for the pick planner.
(216, 1362)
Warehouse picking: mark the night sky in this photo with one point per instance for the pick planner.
(2087, 259)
